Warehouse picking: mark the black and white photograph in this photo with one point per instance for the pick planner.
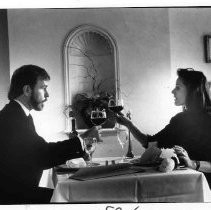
(105, 106)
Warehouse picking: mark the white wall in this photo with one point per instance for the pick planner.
(187, 28)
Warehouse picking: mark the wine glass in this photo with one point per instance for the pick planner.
(122, 139)
(98, 117)
(116, 106)
(90, 144)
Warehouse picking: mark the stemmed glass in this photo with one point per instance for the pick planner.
(122, 138)
(117, 106)
(90, 144)
(98, 117)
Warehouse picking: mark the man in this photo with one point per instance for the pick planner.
(23, 153)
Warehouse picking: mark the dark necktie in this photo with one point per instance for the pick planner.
(31, 123)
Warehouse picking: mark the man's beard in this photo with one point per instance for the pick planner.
(38, 106)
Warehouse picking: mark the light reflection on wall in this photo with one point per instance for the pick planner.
(47, 126)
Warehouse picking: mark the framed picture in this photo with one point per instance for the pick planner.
(207, 48)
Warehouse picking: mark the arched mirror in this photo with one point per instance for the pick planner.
(90, 71)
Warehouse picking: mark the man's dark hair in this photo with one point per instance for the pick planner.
(25, 75)
(197, 89)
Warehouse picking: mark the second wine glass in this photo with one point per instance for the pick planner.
(90, 144)
(98, 117)
(116, 106)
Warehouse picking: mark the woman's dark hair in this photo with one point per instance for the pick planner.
(25, 75)
(197, 89)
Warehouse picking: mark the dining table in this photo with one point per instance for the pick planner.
(145, 185)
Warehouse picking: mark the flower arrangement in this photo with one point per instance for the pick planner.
(83, 104)
(96, 97)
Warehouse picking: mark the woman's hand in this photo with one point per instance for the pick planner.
(183, 155)
(123, 120)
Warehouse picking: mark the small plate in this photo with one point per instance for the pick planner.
(181, 167)
(65, 169)
(146, 164)
(138, 162)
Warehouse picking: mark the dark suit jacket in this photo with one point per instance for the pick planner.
(24, 155)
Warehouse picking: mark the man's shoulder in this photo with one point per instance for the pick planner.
(10, 110)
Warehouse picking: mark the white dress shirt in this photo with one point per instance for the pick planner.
(26, 111)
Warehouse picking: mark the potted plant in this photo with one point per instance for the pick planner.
(95, 98)
(83, 104)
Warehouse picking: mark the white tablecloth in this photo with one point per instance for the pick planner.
(149, 186)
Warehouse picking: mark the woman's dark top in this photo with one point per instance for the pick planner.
(192, 131)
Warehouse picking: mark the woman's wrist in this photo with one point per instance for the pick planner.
(195, 164)
(142, 138)
(130, 125)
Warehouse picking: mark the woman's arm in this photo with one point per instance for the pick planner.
(203, 166)
(140, 137)
(163, 138)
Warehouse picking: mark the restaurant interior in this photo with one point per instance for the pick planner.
(136, 53)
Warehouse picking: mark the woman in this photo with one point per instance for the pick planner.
(189, 130)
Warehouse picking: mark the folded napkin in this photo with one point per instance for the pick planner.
(89, 173)
(71, 166)
(151, 156)
(76, 163)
